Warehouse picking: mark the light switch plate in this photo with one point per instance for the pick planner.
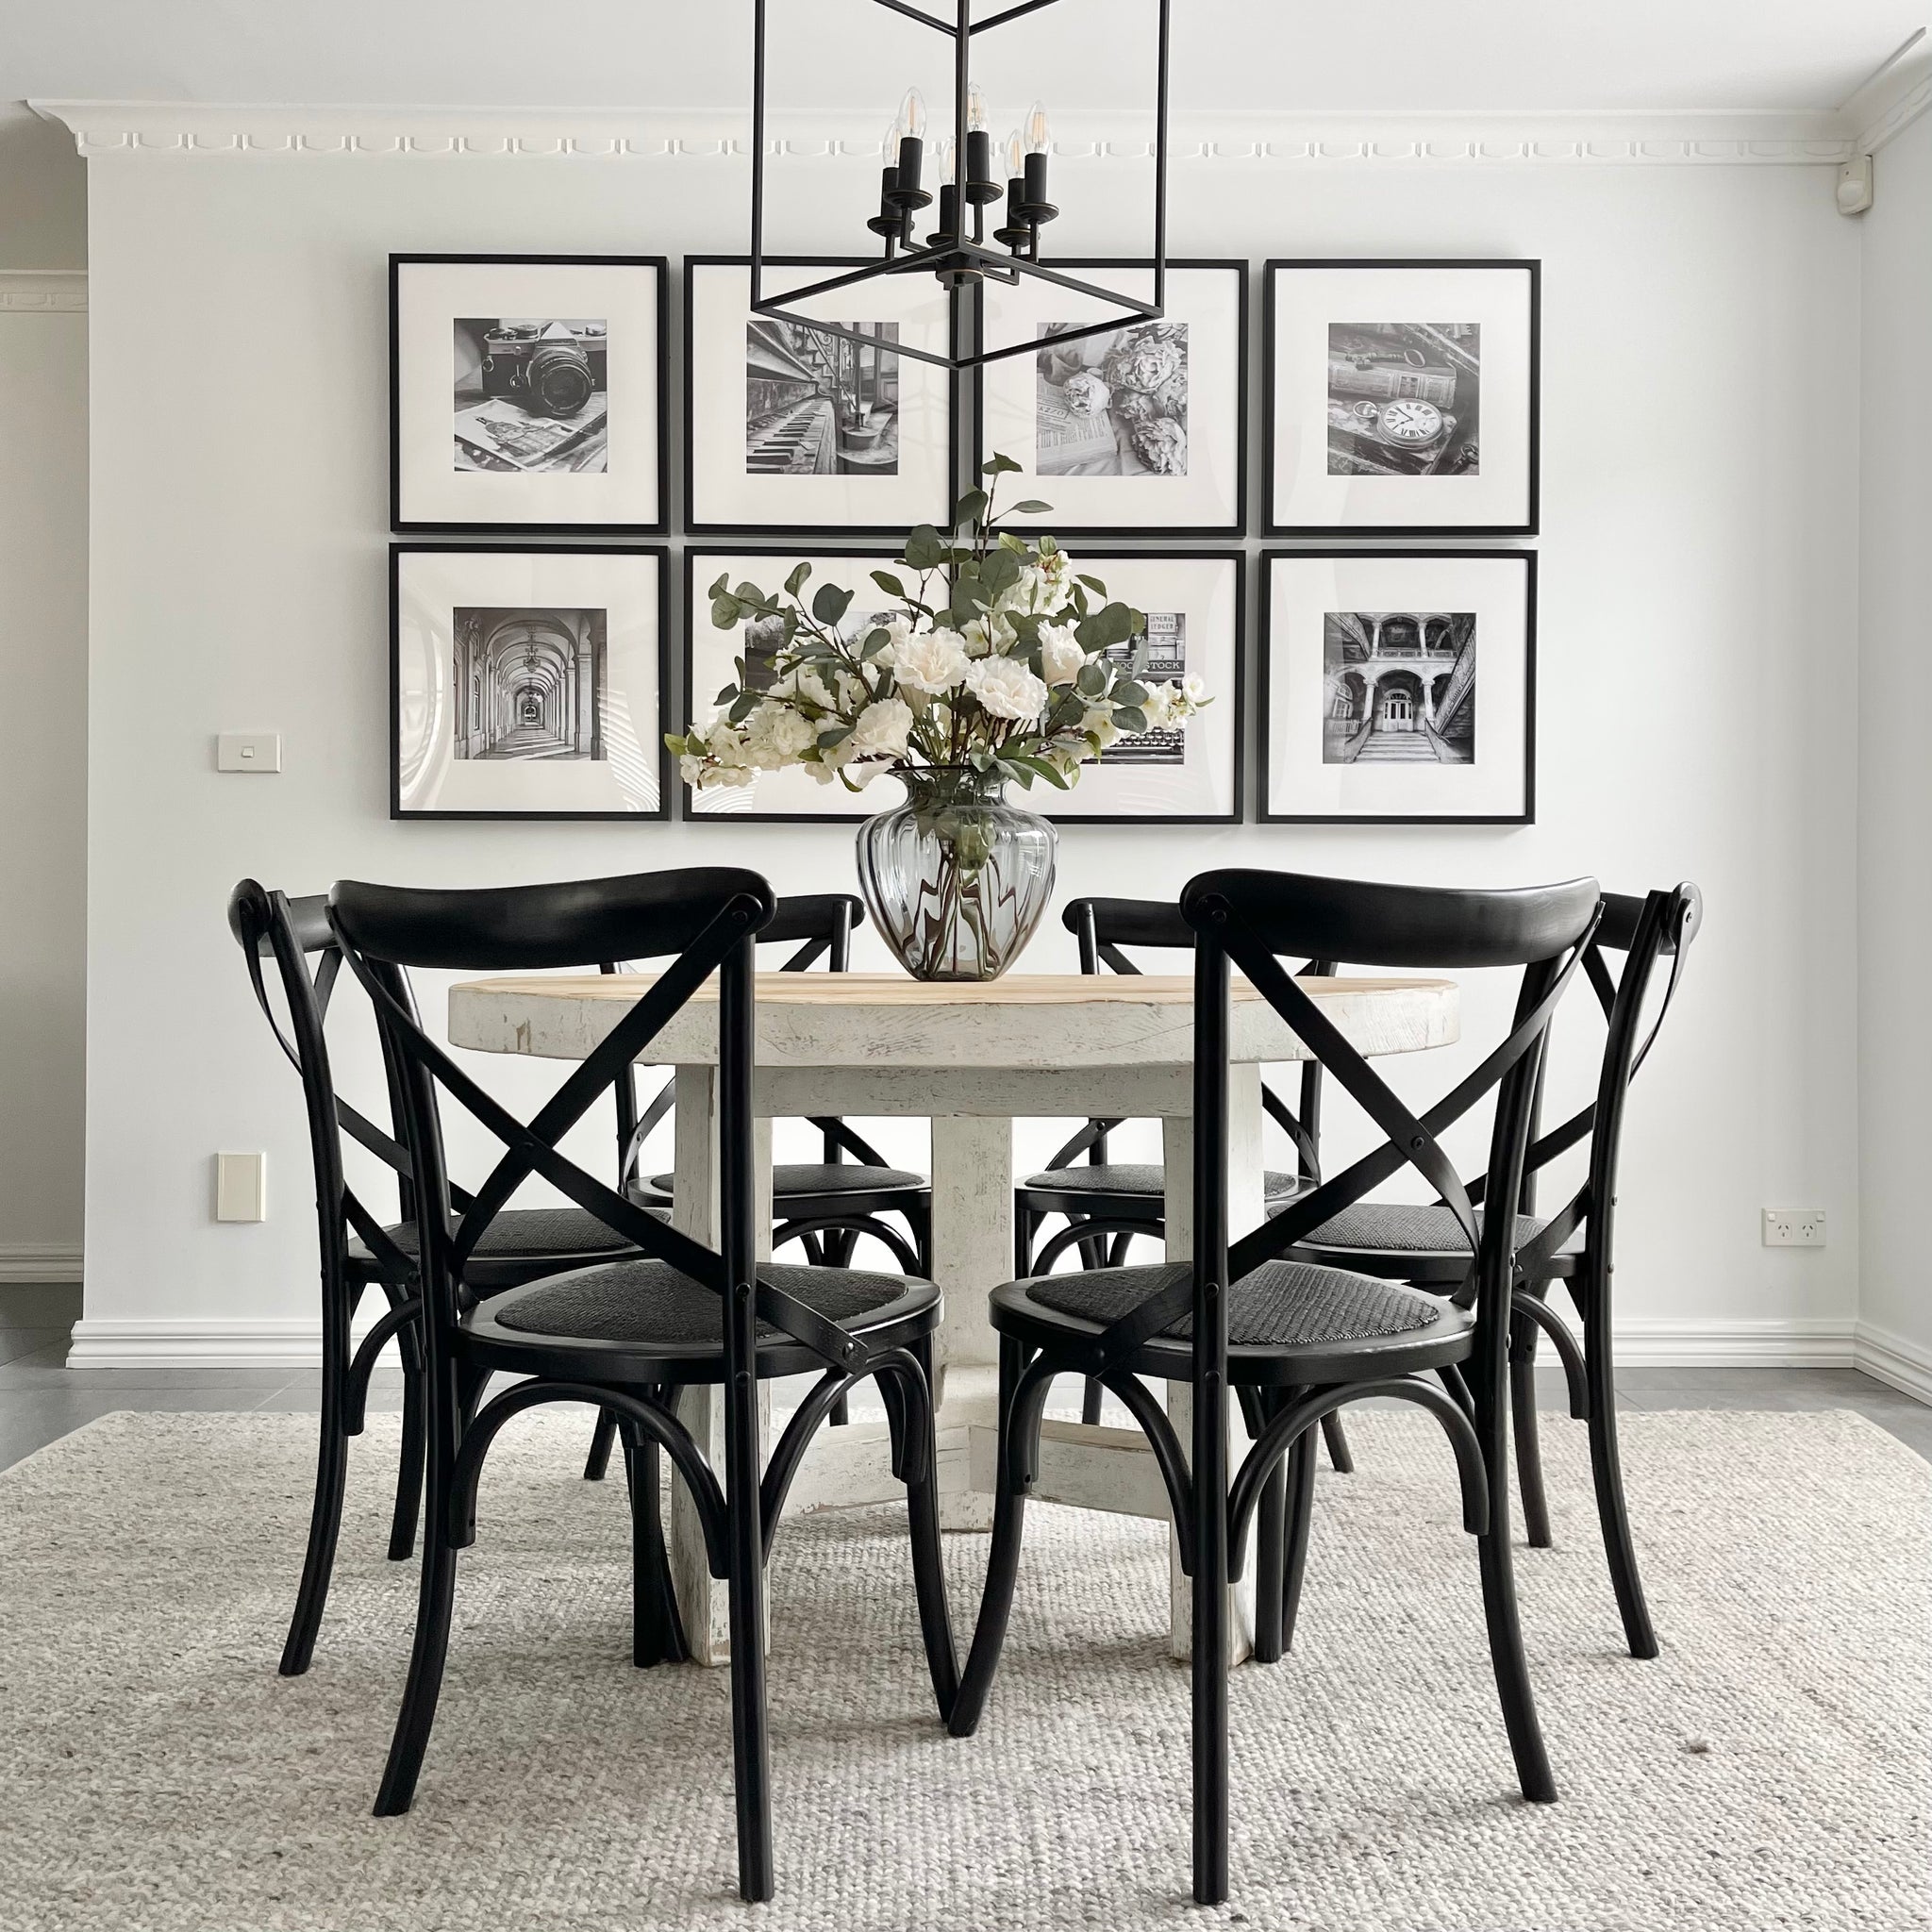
(241, 1187)
(248, 751)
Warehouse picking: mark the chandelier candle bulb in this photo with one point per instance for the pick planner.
(1036, 208)
(1014, 233)
(911, 126)
(981, 183)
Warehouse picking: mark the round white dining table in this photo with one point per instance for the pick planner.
(971, 1059)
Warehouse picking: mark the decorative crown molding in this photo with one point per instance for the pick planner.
(103, 128)
(1898, 116)
(43, 292)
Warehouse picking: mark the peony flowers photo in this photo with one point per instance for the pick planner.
(993, 655)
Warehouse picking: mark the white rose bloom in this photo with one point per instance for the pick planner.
(1006, 689)
(931, 661)
(1162, 705)
(692, 770)
(775, 735)
(1061, 656)
(1098, 723)
(1195, 691)
(880, 732)
(984, 637)
(806, 683)
(897, 630)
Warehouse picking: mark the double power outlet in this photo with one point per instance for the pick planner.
(1794, 1228)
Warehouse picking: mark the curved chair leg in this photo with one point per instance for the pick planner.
(598, 1462)
(325, 1510)
(402, 1527)
(1301, 1511)
(1341, 1459)
(1523, 1426)
(1001, 1563)
(1497, 1564)
(434, 1603)
(1607, 1472)
(657, 1632)
(1271, 1532)
(923, 1517)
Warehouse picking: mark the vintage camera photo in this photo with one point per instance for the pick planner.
(1398, 686)
(532, 395)
(529, 684)
(1404, 399)
(1113, 404)
(821, 405)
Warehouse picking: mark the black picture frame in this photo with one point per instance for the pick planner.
(698, 557)
(658, 526)
(660, 552)
(1270, 527)
(815, 534)
(1264, 704)
(1119, 533)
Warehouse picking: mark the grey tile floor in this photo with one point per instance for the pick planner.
(42, 1399)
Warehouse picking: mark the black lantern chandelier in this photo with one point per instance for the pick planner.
(957, 249)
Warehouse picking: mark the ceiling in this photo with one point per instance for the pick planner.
(1245, 57)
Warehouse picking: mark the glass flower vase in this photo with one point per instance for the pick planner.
(955, 878)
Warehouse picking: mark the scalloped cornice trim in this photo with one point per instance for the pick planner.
(43, 292)
(119, 127)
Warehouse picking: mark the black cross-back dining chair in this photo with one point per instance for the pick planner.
(1425, 1244)
(357, 1249)
(625, 1337)
(1108, 1203)
(1303, 1339)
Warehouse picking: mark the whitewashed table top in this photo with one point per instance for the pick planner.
(1031, 1020)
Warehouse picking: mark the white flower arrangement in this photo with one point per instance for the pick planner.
(1000, 658)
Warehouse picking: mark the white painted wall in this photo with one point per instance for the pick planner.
(44, 675)
(1895, 775)
(1699, 576)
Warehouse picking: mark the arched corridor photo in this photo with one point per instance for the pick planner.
(529, 684)
(1400, 687)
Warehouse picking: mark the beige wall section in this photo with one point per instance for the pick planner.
(42, 194)
(43, 789)
(1697, 658)
(1894, 773)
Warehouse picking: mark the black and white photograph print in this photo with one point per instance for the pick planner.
(1161, 649)
(528, 683)
(1135, 428)
(1112, 405)
(527, 392)
(532, 393)
(1399, 686)
(1405, 398)
(1375, 706)
(818, 404)
(1402, 397)
(794, 428)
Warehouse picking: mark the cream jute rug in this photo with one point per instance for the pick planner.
(1770, 1769)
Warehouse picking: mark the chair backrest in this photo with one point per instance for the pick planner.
(289, 934)
(698, 922)
(1103, 927)
(1246, 920)
(820, 925)
(1645, 931)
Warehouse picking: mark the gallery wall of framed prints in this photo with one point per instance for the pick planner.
(1140, 431)
(1402, 398)
(790, 429)
(1398, 686)
(530, 402)
(528, 392)
(528, 684)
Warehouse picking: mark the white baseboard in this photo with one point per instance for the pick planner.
(37, 1262)
(1890, 1358)
(289, 1343)
(292, 1343)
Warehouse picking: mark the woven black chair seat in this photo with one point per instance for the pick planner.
(1281, 1305)
(1131, 1177)
(818, 1177)
(651, 1302)
(522, 1231)
(1402, 1227)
